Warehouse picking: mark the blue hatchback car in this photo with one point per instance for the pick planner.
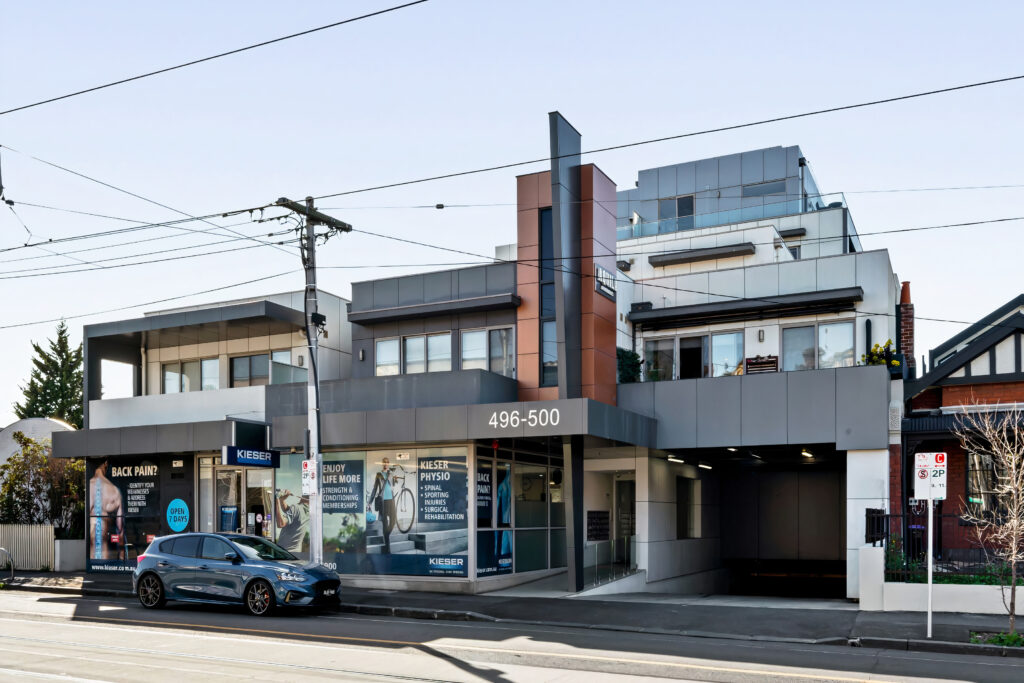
(230, 568)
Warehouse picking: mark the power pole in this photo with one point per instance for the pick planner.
(314, 324)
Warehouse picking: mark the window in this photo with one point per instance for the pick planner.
(215, 549)
(727, 354)
(250, 371)
(833, 348)
(675, 213)
(415, 355)
(658, 359)
(548, 326)
(386, 357)
(835, 345)
(795, 251)
(439, 352)
(693, 358)
(798, 348)
(186, 546)
(191, 375)
(982, 480)
(762, 189)
(489, 350)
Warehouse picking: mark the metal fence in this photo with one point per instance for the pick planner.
(605, 561)
(31, 546)
(959, 554)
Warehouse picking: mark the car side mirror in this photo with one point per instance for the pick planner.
(232, 557)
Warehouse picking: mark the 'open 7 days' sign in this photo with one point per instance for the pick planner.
(930, 476)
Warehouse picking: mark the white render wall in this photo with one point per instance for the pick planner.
(867, 486)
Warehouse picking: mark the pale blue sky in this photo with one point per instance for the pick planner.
(451, 85)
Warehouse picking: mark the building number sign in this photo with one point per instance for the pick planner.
(505, 419)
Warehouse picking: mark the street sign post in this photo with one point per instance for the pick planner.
(930, 483)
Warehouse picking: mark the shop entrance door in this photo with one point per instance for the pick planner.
(228, 511)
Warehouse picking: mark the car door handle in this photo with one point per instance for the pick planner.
(161, 563)
(203, 566)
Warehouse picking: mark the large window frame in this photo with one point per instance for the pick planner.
(816, 326)
(547, 295)
(209, 369)
(708, 355)
(487, 361)
(436, 357)
(677, 213)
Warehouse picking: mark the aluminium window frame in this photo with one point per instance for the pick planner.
(677, 337)
(180, 363)
(817, 343)
(269, 353)
(487, 344)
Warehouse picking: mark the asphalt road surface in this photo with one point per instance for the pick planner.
(56, 637)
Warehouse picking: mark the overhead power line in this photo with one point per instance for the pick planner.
(679, 136)
(210, 58)
(149, 303)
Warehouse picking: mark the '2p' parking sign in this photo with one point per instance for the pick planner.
(930, 476)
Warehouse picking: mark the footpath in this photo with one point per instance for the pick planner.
(733, 618)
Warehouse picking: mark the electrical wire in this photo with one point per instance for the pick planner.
(679, 136)
(149, 303)
(210, 58)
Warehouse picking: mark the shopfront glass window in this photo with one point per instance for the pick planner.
(259, 502)
(503, 495)
(727, 354)
(555, 484)
(798, 348)
(835, 345)
(658, 359)
(484, 493)
(415, 355)
(531, 550)
(210, 374)
(386, 358)
(439, 352)
(205, 494)
(474, 350)
(502, 352)
(530, 484)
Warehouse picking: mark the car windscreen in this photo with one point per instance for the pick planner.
(260, 549)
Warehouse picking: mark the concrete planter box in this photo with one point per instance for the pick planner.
(69, 555)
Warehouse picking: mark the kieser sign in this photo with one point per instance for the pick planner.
(250, 457)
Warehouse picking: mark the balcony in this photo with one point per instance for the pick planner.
(768, 209)
(248, 403)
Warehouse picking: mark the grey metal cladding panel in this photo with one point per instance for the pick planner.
(774, 163)
(764, 408)
(391, 426)
(500, 317)
(501, 278)
(447, 423)
(103, 442)
(862, 407)
(686, 178)
(288, 432)
(210, 436)
(385, 293)
(495, 388)
(637, 397)
(440, 323)
(70, 444)
(707, 174)
(614, 423)
(172, 438)
(410, 290)
(138, 439)
(675, 409)
(413, 326)
(647, 186)
(718, 411)
(472, 282)
(752, 167)
(437, 286)
(362, 296)
(811, 402)
(341, 429)
(361, 332)
(362, 368)
(729, 171)
(667, 181)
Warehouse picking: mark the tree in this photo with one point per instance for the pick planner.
(55, 385)
(996, 438)
(629, 365)
(38, 489)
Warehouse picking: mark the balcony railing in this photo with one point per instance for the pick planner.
(605, 561)
(769, 209)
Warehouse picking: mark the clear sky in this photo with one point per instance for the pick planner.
(452, 85)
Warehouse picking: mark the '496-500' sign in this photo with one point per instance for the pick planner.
(542, 417)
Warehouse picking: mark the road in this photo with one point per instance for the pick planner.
(59, 637)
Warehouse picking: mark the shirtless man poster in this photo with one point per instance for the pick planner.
(106, 515)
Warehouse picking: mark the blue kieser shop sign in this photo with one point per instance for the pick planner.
(249, 457)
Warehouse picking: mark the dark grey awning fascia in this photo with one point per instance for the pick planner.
(256, 310)
(781, 306)
(477, 304)
(792, 232)
(675, 258)
(184, 437)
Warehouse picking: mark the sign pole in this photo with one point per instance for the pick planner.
(931, 541)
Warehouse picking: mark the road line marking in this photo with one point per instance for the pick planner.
(128, 663)
(58, 677)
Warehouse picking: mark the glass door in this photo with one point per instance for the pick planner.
(259, 502)
(228, 497)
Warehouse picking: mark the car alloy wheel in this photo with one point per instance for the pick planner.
(151, 592)
(259, 598)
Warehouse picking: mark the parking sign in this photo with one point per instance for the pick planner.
(930, 476)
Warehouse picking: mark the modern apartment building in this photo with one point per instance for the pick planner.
(475, 430)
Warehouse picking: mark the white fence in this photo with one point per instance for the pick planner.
(31, 545)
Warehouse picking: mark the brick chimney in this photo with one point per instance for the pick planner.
(906, 330)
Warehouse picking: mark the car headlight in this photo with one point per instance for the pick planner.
(291, 576)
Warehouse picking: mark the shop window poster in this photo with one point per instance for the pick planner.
(291, 513)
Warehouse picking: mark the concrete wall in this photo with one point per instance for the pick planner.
(867, 486)
(247, 403)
